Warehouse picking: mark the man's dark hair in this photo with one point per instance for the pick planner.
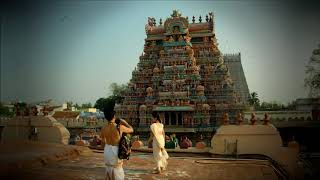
(156, 116)
(109, 114)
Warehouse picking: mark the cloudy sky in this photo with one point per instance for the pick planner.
(73, 50)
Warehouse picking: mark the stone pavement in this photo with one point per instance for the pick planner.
(89, 165)
(17, 155)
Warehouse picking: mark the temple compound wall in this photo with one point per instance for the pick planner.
(35, 128)
(256, 140)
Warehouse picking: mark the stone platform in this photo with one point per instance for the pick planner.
(18, 155)
(55, 161)
(176, 150)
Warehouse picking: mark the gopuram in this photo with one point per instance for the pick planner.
(183, 75)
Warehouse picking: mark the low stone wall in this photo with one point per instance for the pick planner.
(280, 115)
(47, 129)
(254, 139)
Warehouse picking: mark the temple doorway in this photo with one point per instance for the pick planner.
(173, 118)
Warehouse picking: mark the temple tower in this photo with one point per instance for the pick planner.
(182, 75)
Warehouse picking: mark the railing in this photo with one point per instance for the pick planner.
(183, 126)
(85, 124)
(281, 116)
(277, 118)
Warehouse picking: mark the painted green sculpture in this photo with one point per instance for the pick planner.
(171, 142)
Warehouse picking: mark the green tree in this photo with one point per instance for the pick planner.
(86, 105)
(4, 111)
(77, 106)
(105, 103)
(117, 91)
(271, 106)
(254, 99)
(291, 105)
(117, 96)
(69, 105)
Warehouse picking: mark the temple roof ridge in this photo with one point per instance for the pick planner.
(177, 14)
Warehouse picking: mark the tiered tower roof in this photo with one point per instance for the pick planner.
(182, 75)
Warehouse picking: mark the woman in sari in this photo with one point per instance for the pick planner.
(160, 154)
(110, 137)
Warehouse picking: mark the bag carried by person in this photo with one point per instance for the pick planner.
(124, 144)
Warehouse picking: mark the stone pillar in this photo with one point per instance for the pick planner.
(162, 117)
(177, 118)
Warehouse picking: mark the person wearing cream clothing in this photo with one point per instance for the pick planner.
(160, 154)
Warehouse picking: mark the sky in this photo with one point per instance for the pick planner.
(73, 50)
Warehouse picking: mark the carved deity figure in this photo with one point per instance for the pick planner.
(149, 25)
(171, 39)
(153, 43)
(180, 38)
(187, 38)
(149, 91)
(174, 83)
(176, 29)
(220, 61)
(162, 53)
(205, 39)
(225, 119)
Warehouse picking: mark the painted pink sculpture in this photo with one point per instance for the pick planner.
(185, 143)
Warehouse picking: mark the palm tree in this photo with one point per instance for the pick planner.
(254, 99)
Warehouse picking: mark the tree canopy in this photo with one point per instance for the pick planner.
(254, 99)
(4, 111)
(109, 102)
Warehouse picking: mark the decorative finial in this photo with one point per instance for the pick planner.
(266, 119)
(253, 119)
(154, 22)
(160, 22)
(193, 19)
(239, 118)
(210, 16)
(207, 19)
(175, 13)
(200, 19)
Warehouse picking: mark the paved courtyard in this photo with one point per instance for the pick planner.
(90, 165)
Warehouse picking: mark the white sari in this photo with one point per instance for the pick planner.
(159, 142)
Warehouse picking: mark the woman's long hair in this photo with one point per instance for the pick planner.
(156, 116)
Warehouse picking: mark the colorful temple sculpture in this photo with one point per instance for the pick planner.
(183, 75)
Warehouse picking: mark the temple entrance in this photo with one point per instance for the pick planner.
(167, 119)
(173, 118)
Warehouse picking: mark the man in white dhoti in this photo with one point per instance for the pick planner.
(110, 137)
(160, 154)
